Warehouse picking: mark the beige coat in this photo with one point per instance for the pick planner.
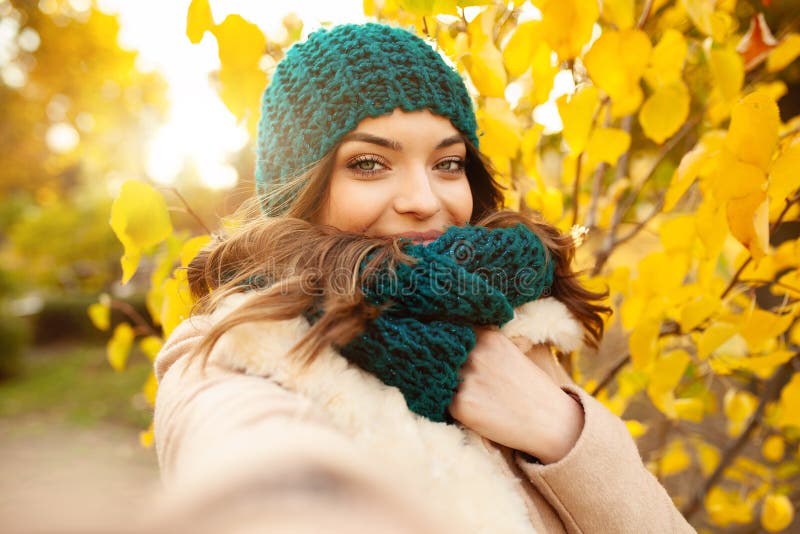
(256, 440)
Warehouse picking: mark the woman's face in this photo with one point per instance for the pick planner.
(399, 175)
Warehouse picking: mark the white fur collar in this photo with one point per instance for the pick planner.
(452, 466)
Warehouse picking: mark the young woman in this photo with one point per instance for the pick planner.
(375, 348)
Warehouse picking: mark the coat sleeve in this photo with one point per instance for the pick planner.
(601, 485)
(238, 452)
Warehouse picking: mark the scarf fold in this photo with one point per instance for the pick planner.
(470, 276)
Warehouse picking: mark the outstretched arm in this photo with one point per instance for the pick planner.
(589, 468)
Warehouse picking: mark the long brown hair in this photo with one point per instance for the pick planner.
(292, 264)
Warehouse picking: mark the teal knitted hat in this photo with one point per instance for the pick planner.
(326, 85)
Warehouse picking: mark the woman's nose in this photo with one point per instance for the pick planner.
(417, 196)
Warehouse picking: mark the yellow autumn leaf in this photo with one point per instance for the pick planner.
(568, 24)
(577, 111)
(761, 325)
(785, 53)
(198, 20)
(543, 73)
(192, 247)
(150, 345)
(708, 455)
(709, 19)
(241, 45)
(619, 13)
(140, 219)
(664, 111)
(777, 513)
(501, 128)
(146, 437)
(677, 233)
(713, 337)
(773, 448)
(511, 199)
(100, 314)
(697, 310)
(698, 161)
(119, 346)
(727, 70)
(734, 178)
(616, 63)
(738, 407)
(607, 145)
(753, 132)
(165, 263)
(425, 8)
(783, 178)
(789, 404)
(549, 202)
(666, 61)
(518, 52)
(665, 377)
(675, 458)
(690, 409)
(150, 388)
(484, 62)
(661, 273)
(485, 67)
(530, 155)
(636, 428)
(178, 302)
(642, 344)
(728, 506)
(748, 220)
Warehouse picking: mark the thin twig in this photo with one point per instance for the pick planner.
(790, 133)
(189, 209)
(578, 165)
(788, 204)
(648, 6)
(611, 241)
(614, 371)
(133, 315)
(770, 393)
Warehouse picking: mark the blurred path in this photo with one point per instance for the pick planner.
(55, 475)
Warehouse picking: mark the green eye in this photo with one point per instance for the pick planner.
(450, 165)
(367, 165)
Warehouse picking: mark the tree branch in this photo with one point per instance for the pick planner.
(788, 204)
(622, 207)
(189, 209)
(770, 393)
(141, 323)
(646, 9)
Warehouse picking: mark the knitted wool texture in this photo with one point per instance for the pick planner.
(469, 276)
(326, 85)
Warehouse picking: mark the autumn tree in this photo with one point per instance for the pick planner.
(75, 115)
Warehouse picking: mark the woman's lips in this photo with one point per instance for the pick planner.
(425, 238)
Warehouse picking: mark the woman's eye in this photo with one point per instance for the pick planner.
(366, 165)
(450, 165)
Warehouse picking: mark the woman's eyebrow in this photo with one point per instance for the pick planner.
(394, 145)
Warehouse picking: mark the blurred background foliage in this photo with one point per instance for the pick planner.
(667, 128)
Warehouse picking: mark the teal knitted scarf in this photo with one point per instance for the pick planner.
(469, 276)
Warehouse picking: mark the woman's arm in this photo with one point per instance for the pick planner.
(240, 454)
(590, 471)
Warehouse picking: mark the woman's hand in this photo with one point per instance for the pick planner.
(508, 399)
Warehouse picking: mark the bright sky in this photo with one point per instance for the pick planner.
(200, 131)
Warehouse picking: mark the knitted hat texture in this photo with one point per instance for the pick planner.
(326, 85)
